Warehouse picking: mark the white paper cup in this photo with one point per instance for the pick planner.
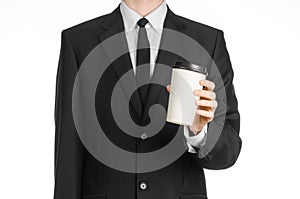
(185, 79)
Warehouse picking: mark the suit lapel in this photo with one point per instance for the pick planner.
(114, 25)
(172, 22)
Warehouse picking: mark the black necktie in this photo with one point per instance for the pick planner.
(143, 58)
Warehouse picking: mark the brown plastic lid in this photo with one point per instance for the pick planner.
(189, 66)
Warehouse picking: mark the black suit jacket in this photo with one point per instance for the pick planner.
(79, 175)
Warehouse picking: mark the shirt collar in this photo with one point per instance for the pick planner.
(156, 18)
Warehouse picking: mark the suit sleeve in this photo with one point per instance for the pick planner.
(227, 148)
(69, 151)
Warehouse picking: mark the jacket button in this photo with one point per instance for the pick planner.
(144, 136)
(143, 186)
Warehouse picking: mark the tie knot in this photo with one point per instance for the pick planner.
(142, 22)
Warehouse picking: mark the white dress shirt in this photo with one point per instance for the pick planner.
(154, 31)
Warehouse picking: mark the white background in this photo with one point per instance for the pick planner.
(263, 39)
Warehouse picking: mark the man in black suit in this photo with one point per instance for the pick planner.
(78, 173)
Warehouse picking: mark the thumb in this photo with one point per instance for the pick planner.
(168, 88)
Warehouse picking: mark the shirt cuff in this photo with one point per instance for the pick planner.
(192, 140)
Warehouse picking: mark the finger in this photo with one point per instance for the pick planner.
(206, 103)
(209, 85)
(168, 88)
(205, 94)
(204, 113)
